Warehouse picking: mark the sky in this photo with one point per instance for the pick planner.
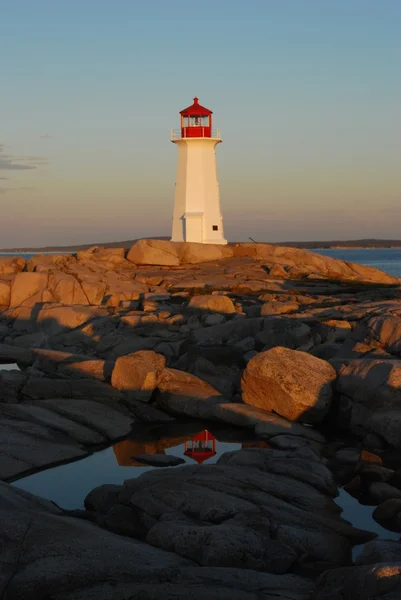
(306, 93)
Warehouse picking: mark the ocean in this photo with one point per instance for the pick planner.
(385, 259)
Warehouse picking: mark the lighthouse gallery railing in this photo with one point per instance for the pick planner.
(177, 134)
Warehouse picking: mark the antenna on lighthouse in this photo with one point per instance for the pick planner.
(197, 216)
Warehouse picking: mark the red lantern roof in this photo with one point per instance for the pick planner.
(195, 110)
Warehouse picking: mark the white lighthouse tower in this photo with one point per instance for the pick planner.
(197, 216)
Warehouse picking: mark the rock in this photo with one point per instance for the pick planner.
(53, 422)
(373, 389)
(380, 491)
(278, 308)
(277, 271)
(5, 293)
(47, 262)
(159, 460)
(348, 456)
(138, 373)
(303, 465)
(218, 304)
(10, 265)
(57, 319)
(40, 388)
(66, 289)
(293, 384)
(387, 512)
(193, 253)
(372, 472)
(14, 354)
(155, 252)
(65, 364)
(238, 328)
(73, 557)
(385, 330)
(309, 262)
(222, 546)
(102, 498)
(379, 551)
(111, 256)
(224, 379)
(25, 446)
(334, 331)
(266, 425)
(11, 384)
(180, 393)
(218, 355)
(28, 289)
(326, 351)
(212, 319)
(280, 331)
(367, 582)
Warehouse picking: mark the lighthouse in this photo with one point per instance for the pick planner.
(197, 216)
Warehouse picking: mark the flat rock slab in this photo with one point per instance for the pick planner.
(261, 509)
(106, 420)
(26, 445)
(71, 559)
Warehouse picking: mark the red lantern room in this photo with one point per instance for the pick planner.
(196, 121)
(201, 447)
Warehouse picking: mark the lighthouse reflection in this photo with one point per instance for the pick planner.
(201, 447)
(187, 441)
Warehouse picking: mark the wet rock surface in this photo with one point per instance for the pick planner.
(260, 337)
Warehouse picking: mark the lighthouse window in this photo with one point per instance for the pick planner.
(215, 228)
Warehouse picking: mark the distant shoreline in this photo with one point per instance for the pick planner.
(313, 245)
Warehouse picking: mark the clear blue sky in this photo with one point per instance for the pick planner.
(307, 94)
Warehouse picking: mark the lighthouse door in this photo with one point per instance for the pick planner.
(193, 227)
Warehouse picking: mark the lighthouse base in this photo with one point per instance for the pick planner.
(191, 227)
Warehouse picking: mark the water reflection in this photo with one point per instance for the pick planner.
(190, 441)
(201, 447)
(68, 484)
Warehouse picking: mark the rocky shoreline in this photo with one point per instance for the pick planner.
(285, 343)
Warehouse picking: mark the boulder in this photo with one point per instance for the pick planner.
(111, 256)
(278, 308)
(293, 384)
(385, 330)
(193, 253)
(5, 293)
(224, 379)
(281, 331)
(47, 262)
(57, 319)
(10, 265)
(155, 252)
(180, 393)
(65, 364)
(238, 329)
(378, 551)
(66, 289)
(102, 498)
(138, 373)
(371, 394)
(367, 582)
(223, 546)
(207, 302)
(27, 289)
